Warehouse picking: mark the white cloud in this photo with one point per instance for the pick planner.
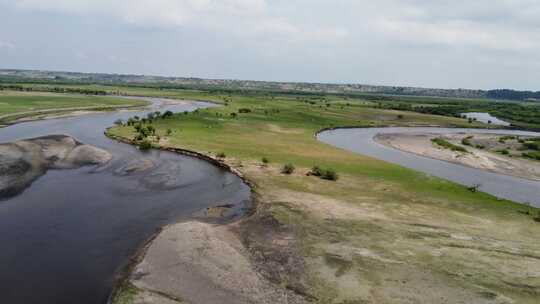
(487, 24)
(408, 42)
(237, 17)
(6, 45)
(490, 24)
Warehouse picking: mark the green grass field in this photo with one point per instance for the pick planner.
(381, 233)
(16, 105)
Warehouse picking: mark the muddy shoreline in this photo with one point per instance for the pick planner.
(59, 113)
(421, 144)
(252, 235)
(191, 192)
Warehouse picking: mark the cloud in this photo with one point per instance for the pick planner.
(243, 18)
(488, 24)
(481, 43)
(6, 45)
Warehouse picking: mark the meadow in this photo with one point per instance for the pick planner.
(380, 233)
(17, 105)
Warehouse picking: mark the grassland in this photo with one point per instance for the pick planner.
(381, 233)
(17, 105)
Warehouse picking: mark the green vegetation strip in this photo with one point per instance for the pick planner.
(448, 145)
(15, 105)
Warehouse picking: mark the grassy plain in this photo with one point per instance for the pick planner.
(381, 233)
(16, 105)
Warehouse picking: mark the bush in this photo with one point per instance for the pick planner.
(466, 141)
(532, 155)
(221, 155)
(330, 175)
(167, 114)
(532, 145)
(244, 110)
(265, 160)
(288, 169)
(169, 131)
(316, 171)
(145, 145)
(448, 145)
(504, 152)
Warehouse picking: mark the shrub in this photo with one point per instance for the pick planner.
(167, 114)
(448, 145)
(221, 155)
(330, 174)
(316, 171)
(532, 145)
(265, 160)
(466, 141)
(118, 122)
(145, 145)
(233, 115)
(532, 155)
(400, 116)
(537, 217)
(244, 110)
(504, 152)
(288, 169)
(169, 131)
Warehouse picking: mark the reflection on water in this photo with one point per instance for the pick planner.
(486, 118)
(65, 237)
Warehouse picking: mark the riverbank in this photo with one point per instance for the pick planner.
(16, 107)
(480, 152)
(380, 233)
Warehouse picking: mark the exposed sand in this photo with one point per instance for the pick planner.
(202, 263)
(23, 161)
(421, 144)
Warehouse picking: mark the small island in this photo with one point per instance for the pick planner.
(23, 161)
(506, 154)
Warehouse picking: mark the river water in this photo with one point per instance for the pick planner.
(360, 140)
(67, 236)
(486, 118)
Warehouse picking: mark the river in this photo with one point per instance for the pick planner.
(67, 237)
(360, 140)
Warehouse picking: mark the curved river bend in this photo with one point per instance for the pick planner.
(66, 236)
(360, 140)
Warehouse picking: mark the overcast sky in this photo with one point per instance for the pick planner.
(429, 43)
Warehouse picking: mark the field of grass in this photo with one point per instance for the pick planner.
(381, 233)
(15, 105)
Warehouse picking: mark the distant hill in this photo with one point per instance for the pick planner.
(14, 75)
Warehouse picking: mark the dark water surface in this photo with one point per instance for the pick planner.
(361, 140)
(65, 238)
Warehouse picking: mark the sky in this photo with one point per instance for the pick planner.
(480, 44)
